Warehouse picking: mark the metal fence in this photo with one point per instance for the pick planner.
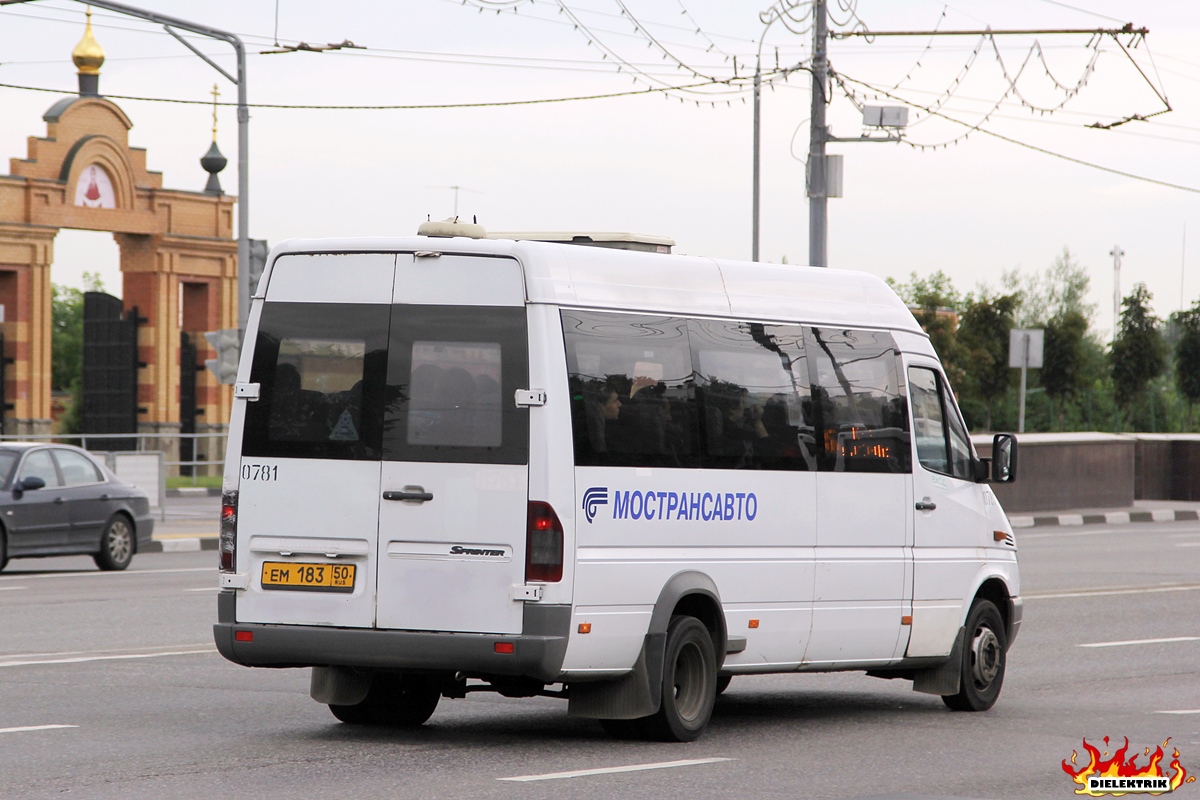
(145, 442)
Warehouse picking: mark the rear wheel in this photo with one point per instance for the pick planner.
(985, 653)
(402, 701)
(723, 682)
(689, 683)
(116, 544)
(3, 549)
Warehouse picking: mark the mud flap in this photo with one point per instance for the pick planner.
(335, 686)
(946, 678)
(632, 696)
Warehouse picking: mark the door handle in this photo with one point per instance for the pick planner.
(410, 494)
(925, 504)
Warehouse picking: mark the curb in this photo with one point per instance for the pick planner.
(1106, 518)
(187, 545)
(194, 491)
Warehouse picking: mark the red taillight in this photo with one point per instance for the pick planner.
(505, 647)
(543, 544)
(243, 636)
(228, 540)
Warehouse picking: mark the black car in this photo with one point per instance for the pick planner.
(57, 500)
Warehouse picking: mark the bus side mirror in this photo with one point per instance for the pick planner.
(1004, 458)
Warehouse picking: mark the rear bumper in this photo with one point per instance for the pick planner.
(538, 652)
(145, 531)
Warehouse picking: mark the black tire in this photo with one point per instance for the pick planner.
(723, 683)
(984, 657)
(358, 714)
(3, 549)
(399, 701)
(116, 544)
(689, 683)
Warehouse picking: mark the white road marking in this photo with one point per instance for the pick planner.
(1143, 641)
(12, 588)
(80, 659)
(580, 773)
(1183, 711)
(205, 589)
(35, 728)
(102, 574)
(1187, 544)
(1187, 587)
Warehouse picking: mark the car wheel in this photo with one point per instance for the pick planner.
(3, 549)
(985, 653)
(689, 683)
(116, 544)
(723, 682)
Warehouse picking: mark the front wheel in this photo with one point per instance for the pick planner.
(689, 683)
(984, 655)
(116, 544)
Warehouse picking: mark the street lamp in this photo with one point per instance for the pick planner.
(243, 114)
(768, 17)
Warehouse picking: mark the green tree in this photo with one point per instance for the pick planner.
(1187, 357)
(1058, 291)
(1139, 352)
(983, 337)
(1063, 360)
(935, 303)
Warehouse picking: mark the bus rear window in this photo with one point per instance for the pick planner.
(319, 395)
(455, 394)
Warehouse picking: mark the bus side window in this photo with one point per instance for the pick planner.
(632, 399)
(753, 389)
(860, 408)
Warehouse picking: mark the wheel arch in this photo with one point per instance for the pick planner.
(996, 590)
(639, 693)
(128, 515)
(696, 595)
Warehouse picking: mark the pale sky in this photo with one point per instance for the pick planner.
(655, 164)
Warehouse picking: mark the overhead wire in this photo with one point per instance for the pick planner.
(1020, 143)
(378, 107)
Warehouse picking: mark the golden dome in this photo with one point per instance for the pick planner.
(88, 55)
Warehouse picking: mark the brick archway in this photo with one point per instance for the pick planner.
(178, 261)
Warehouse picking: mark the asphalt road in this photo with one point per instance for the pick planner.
(110, 688)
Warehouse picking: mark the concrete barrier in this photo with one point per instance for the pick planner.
(1061, 471)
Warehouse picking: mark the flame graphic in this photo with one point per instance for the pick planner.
(1119, 767)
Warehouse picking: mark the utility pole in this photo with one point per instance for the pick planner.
(757, 158)
(1116, 253)
(818, 217)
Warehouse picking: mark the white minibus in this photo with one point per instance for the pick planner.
(460, 464)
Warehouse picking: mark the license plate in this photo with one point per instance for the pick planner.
(298, 575)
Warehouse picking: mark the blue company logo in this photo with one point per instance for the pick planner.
(595, 496)
(651, 505)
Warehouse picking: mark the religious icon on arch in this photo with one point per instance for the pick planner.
(95, 189)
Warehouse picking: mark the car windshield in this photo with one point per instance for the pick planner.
(7, 459)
